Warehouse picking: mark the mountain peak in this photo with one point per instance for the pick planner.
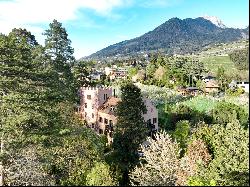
(215, 20)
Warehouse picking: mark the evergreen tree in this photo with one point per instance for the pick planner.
(81, 74)
(131, 130)
(23, 93)
(59, 54)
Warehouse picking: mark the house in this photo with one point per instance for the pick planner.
(244, 85)
(192, 91)
(96, 75)
(182, 91)
(240, 84)
(208, 78)
(97, 108)
(116, 73)
(188, 91)
(211, 86)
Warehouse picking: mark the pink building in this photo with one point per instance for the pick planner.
(97, 109)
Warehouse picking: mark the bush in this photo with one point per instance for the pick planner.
(235, 92)
(224, 113)
(182, 132)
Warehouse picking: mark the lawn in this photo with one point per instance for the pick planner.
(213, 62)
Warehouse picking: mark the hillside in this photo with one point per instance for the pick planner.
(175, 36)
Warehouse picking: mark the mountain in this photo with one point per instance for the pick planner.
(176, 36)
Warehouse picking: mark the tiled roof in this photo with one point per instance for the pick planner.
(108, 105)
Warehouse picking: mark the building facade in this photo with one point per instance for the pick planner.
(97, 108)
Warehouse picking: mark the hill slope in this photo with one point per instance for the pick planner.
(175, 36)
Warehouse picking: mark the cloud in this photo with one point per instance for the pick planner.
(156, 3)
(18, 13)
(35, 14)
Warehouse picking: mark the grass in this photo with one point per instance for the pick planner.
(201, 103)
(213, 62)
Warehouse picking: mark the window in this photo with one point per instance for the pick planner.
(100, 131)
(105, 96)
(110, 122)
(105, 121)
(88, 96)
(154, 120)
(100, 119)
(85, 105)
(85, 114)
(93, 115)
(93, 125)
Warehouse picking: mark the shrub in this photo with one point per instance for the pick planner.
(224, 113)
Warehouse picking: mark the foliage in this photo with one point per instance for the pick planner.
(100, 175)
(132, 71)
(182, 132)
(235, 92)
(42, 140)
(131, 129)
(59, 54)
(201, 103)
(225, 112)
(230, 152)
(159, 162)
(240, 58)
(81, 74)
(199, 182)
(197, 154)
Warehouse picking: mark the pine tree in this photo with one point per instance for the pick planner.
(131, 130)
(23, 92)
(59, 55)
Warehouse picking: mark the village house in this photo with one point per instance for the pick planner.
(212, 86)
(97, 108)
(116, 73)
(240, 84)
(194, 91)
(208, 78)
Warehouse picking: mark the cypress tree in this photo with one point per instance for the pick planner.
(130, 130)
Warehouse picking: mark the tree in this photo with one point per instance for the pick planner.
(81, 74)
(229, 147)
(221, 76)
(240, 58)
(159, 163)
(100, 175)
(132, 71)
(59, 53)
(130, 129)
(201, 85)
(182, 133)
(197, 154)
(22, 92)
(224, 113)
(42, 141)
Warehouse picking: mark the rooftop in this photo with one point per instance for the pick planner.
(108, 106)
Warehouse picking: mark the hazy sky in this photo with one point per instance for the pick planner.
(95, 24)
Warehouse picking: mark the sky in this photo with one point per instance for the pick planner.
(95, 24)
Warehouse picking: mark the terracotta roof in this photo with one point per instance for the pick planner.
(107, 106)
